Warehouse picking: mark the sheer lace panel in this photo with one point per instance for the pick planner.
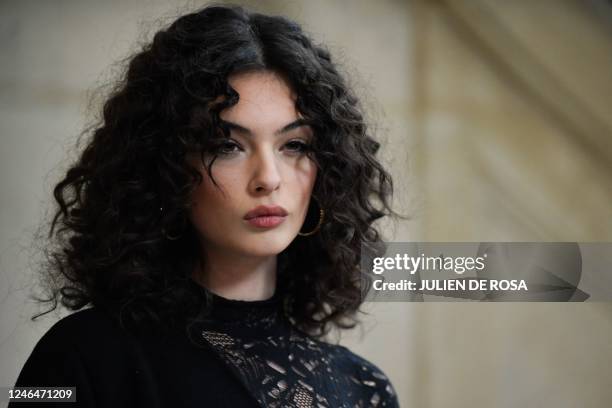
(283, 367)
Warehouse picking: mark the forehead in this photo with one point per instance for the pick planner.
(266, 99)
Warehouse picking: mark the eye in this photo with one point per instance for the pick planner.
(227, 148)
(297, 146)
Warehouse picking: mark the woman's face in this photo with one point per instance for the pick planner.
(262, 164)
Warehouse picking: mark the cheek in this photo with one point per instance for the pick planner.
(209, 201)
(302, 183)
(306, 176)
(226, 180)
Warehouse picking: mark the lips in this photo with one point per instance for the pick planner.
(266, 211)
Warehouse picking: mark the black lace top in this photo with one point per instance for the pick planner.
(246, 354)
(283, 367)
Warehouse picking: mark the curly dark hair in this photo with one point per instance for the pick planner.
(127, 196)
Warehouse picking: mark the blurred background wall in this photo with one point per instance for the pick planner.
(495, 117)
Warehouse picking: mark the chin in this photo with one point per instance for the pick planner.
(267, 245)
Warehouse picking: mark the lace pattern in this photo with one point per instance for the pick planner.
(283, 367)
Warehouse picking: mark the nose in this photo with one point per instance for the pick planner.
(266, 175)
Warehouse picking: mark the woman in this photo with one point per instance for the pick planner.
(214, 221)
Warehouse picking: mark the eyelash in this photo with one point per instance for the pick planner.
(303, 147)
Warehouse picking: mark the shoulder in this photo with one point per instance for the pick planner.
(85, 319)
(67, 348)
(83, 329)
(56, 359)
(366, 375)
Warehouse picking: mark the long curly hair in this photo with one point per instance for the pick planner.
(122, 239)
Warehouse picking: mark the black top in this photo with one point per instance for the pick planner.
(246, 354)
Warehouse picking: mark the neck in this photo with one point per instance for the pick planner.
(237, 277)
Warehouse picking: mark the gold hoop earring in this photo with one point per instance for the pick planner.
(316, 229)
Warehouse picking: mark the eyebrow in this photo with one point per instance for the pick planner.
(287, 128)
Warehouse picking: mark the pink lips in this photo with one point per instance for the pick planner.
(266, 216)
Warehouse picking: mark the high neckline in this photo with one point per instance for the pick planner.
(247, 316)
(224, 302)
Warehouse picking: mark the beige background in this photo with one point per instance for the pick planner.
(497, 127)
